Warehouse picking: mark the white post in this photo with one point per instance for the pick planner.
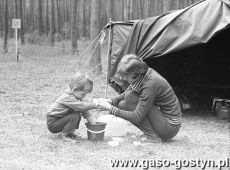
(16, 43)
(108, 62)
(16, 24)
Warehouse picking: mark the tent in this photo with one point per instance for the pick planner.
(189, 47)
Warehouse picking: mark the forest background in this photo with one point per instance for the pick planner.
(50, 21)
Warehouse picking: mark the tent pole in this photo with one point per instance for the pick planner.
(108, 61)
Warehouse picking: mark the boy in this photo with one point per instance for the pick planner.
(64, 115)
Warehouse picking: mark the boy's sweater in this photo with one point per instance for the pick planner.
(68, 103)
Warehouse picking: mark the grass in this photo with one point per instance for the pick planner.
(30, 86)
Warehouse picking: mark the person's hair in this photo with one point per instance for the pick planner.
(81, 82)
(131, 65)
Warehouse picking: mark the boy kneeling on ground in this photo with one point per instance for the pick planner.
(64, 115)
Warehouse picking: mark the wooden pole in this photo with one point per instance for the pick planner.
(16, 43)
(108, 62)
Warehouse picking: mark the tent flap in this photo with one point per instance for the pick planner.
(169, 32)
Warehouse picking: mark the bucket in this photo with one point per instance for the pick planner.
(95, 131)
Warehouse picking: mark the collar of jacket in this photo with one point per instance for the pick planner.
(137, 84)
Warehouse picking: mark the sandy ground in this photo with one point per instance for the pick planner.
(28, 88)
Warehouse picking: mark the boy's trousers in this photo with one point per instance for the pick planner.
(66, 124)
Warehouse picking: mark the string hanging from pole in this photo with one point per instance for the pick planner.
(91, 54)
(73, 62)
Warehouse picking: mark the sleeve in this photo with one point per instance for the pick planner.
(78, 105)
(117, 99)
(146, 101)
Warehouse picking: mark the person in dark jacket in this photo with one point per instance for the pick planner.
(149, 102)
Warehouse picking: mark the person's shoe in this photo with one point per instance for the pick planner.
(150, 139)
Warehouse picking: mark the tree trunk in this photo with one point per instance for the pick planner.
(62, 15)
(1, 18)
(22, 23)
(119, 10)
(152, 9)
(95, 60)
(103, 16)
(174, 5)
(131, 7)
(126, 10)
(67, 12)
(10, 16)
(110, 10)
(24, 8)
(135, 10)
(58, 17)
(5, 26)
(145, 8)
(74, 27)
(159, 7)
(52, 23)
(167, 5)
(47, 18)
(31, 15)
(15, 9)
(40, 25)
(80, 15)
(187, 2)
(181, 4)
(87, 18)
(138, 9)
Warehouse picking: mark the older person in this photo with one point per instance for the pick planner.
(149, 102)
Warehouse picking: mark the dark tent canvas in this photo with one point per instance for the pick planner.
(186, 46)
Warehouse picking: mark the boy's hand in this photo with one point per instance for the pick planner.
(95, 102)
(91, 116)
(104, 100)
(91, 119)
(104, 105)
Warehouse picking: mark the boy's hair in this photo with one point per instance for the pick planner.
(130, 64)
(81, 82)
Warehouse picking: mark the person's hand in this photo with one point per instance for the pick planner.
(109, 101)
(104, 105)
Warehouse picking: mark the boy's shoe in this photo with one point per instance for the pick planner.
(72, 135)
(66, 137)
